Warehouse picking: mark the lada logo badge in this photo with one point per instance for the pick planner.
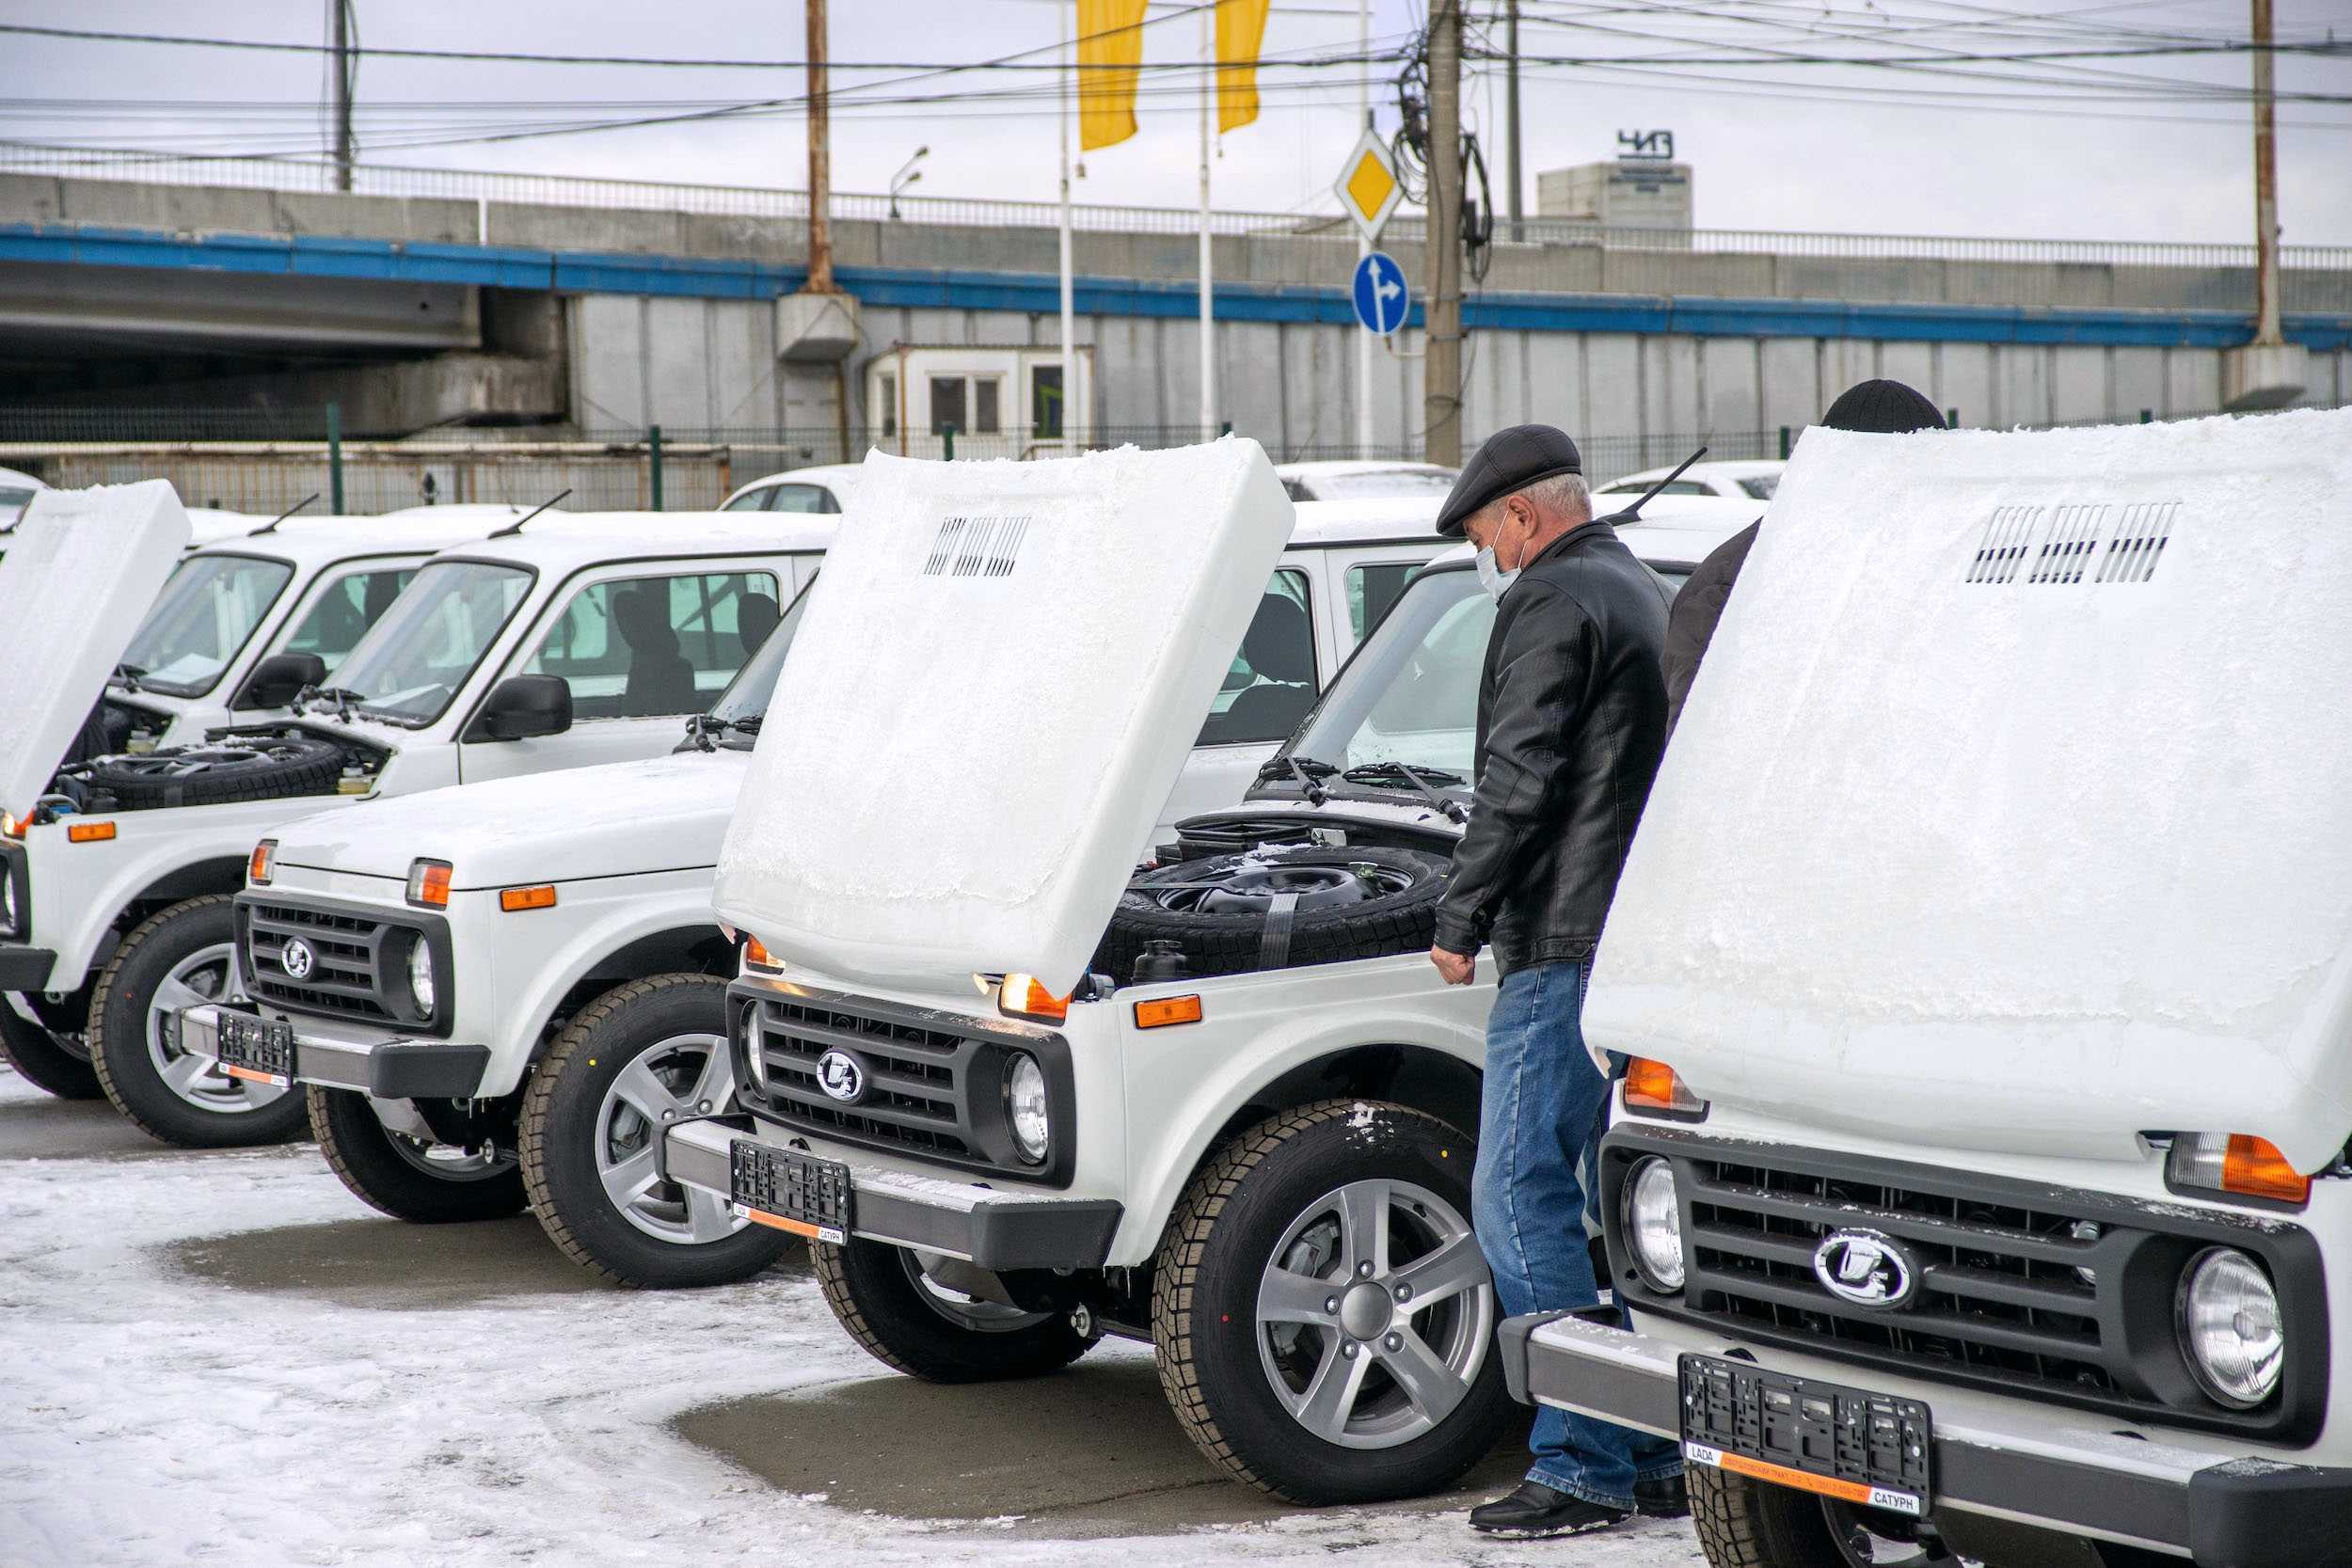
(1866, 1268)
(297, 959)
(842, 1076)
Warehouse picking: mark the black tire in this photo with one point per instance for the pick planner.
(125, 1041)
(210, 775)
(1354, 902)
(872, 1287)
(573, 1127)
(1218, 1362)
(1744, 1522)
(369, 1159)
(47, 1061)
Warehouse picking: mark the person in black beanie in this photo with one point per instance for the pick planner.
(1881, 407)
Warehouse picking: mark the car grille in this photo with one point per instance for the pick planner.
(361, 960)
(933, 1081)
(2065, 1294)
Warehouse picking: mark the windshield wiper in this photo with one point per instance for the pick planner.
(343, 697)
(128, 674)
(1420, 779)
(702, 729)
(1305, 769)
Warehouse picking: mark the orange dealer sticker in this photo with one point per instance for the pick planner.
(1827, 1486)
(275, 1080)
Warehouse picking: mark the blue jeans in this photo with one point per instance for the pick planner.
(1539, 1134)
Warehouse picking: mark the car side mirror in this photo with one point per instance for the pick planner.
(521, 706)
(280, 679)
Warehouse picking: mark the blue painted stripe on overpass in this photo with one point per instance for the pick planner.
(1038, 293)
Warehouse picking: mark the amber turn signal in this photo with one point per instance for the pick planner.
(1025, 996)
(513, 899)
(257, 867)
(428, 884)
(756, 954)
(2235, 1163)
(1167, 1010)
(89, 833)
(1657, 1087)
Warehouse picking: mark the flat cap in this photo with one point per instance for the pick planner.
(1507, 461)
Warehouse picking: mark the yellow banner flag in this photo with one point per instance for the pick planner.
(1240, 32)
(1110, 44)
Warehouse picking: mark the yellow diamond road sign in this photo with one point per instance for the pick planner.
(1368, 187)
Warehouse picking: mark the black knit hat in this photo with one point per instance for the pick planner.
(1506, 462)
(1881, 408)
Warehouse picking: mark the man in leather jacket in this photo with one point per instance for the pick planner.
(1571, 723)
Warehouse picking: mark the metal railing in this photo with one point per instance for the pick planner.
(568, 190)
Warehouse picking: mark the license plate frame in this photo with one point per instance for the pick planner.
(254, 1049)
(1871, 1449)
(786, 1190)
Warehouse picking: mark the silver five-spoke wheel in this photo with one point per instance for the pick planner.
(209, 973)
(677, 1078)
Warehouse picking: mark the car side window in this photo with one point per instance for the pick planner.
(343, 614)
(1272, 681)
(804, 498)
(751, 501)
(654, 646)
(1371, 587)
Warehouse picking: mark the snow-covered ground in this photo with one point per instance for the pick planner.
(164, 1402)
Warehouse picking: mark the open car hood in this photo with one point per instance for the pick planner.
(994, 685)
(2008, 810)
(81, 570)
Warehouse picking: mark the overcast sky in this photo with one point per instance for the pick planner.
(1766, 154)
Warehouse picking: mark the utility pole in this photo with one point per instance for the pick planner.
(820, 159)
(1208, 297)
(1441, 368)
(1069, 402)
(2268, 373)
(339, 18)
(1363, 241)
(1511, 115)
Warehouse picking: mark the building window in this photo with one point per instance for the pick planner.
(888, 397)
(948, 405)
(1045, 401)
(984, 420)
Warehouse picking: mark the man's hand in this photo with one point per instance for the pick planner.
(1455, 969)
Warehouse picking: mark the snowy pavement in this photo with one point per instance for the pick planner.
(225, 1358)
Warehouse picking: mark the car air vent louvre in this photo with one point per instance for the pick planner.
(2074, 532)
(976, 546)
(2006, 533)
(2141, 535)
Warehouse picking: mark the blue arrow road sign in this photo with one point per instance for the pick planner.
(1380, 293)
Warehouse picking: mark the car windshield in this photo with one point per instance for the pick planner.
(1407, 482)
(747, 696)
(206, 613)
(417, 657)
(1760, 485)
(1410, 694)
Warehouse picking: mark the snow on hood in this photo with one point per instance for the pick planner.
(996, 683)
(82, 568)
(2008, 811)
(616, 820)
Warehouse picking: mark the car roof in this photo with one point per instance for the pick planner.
(311, 542)
(1378, 519)
(822, 473)
(561, 542)
(1728, 469)
(1310, 469)
(464, 509)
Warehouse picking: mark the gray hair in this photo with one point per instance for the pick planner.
(1565, 494)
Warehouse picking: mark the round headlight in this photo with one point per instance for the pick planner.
(420, 977)
(8, 901)
(2231, 1328)
(1024, 1106)
(1653, 1225)
(754, 1059)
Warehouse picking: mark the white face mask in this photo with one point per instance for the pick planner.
(1493, 579)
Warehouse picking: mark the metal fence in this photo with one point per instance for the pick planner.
(568, 190)
(245, 462)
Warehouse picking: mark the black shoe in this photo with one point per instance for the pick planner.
(1537, 1509)
(1666, 1497)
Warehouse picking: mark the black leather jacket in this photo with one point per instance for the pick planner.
(1571, 723)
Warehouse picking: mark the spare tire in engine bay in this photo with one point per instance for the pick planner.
(1276, 908)
(260, 767)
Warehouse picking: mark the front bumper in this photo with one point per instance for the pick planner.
(386, 1066)
(1992, 1456)
(969, 1220)
(24, 969)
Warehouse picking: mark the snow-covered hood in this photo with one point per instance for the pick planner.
(80, 569)
(622, 818)
(996, 684)
(2009, 809)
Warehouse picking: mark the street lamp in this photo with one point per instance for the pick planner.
(906, 176)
